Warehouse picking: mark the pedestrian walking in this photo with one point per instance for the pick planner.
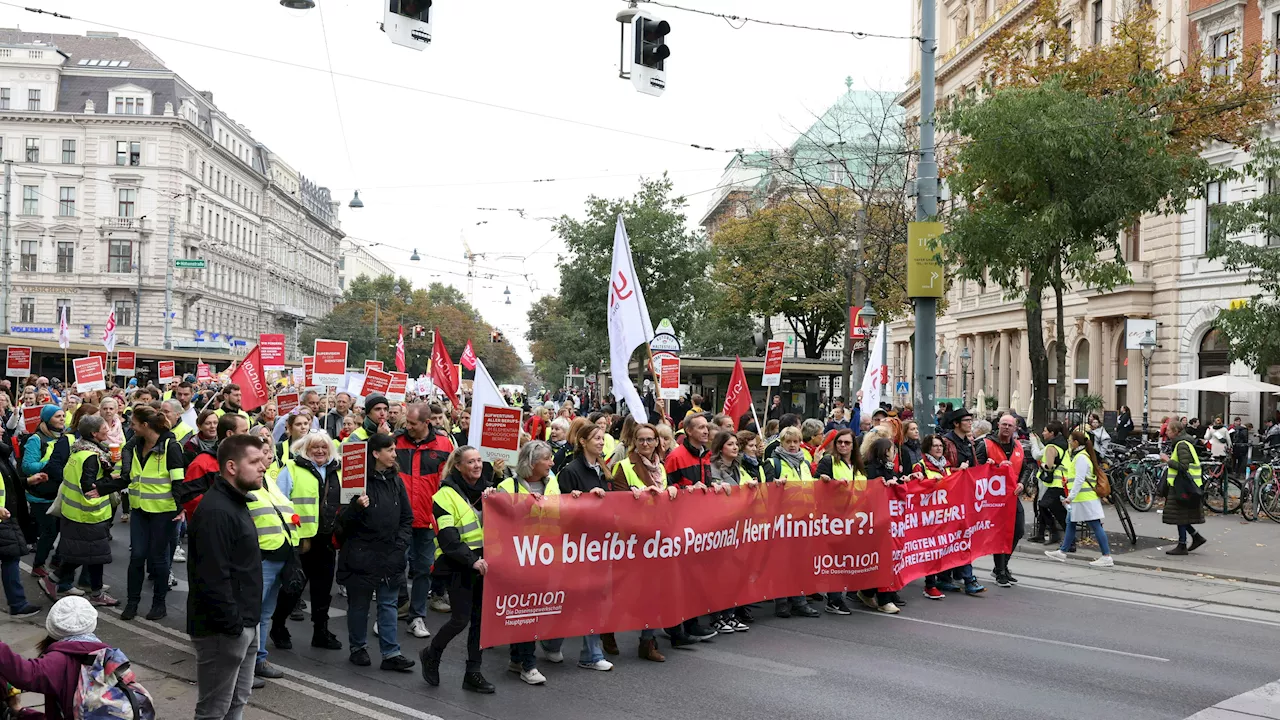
(36, 452)
(224, 606)
(1182, 490)
(532, 477)
(1083, 503)
(1053, 476)
(13, 545)
(150, 463)
(421, 452)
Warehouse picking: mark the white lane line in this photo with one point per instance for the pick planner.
(1152, 605)
(309, 692)
(1015, 636)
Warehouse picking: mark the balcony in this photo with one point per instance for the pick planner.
(290, 313)
(136, 224)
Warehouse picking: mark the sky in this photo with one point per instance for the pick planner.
(425, 137)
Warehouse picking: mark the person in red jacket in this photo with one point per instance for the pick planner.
(421, 452)
(203, 469)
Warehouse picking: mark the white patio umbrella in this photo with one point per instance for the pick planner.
(1225, 384)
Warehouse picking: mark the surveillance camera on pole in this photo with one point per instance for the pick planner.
(408, 22)
(649, 50)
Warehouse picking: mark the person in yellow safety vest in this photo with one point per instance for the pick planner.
(12, 543)
(1182, 490)
(172, 410)
(460, 555)
(1053, 478)
(277, 525)
(150, 464)
(41, 488)
(752, 447)
(86, 514)
(602, 421)
(376, 410)
(841, 463)
(312, 479)
(1083, 503)
(789, 462)
(298, 427)
(232, 397)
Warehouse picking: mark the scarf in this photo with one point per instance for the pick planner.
(939, 464)
(104, 457)
(650, 472)
(209, 446)
(726, 471)
(795, 460)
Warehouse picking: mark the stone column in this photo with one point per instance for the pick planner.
(1006, 359)
(1109, 362)
(1093, 331)
(1024, 373)
(979, 366)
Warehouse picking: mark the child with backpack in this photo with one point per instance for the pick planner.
(78, 674)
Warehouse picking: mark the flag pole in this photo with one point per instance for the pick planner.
(657, 382)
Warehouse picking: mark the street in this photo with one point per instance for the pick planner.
(1070, 642)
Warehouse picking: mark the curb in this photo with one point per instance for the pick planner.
(1206, 573)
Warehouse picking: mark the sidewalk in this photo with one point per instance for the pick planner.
(1237, 549)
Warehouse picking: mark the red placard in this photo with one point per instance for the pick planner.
(167, 373)
(286, 402)
(376, 382)
(126, 363)
(773, 363)
(668, 377)
(858, 329)
(90, 375)
(500, 433)
(203, 372)
(372, 365)
(308, 372)
(399, 387)
(354, 458)
(31, 418)
(272, 347)
(17, 361)
(330, 362)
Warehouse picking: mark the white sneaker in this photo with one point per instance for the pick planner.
(342, 590)
(179, 555)
(555, 657)
(601, 665)
(533, 677)
(440, 604)
(76, 592)
(889, 608)
(1056, 555)
(173, 581)
(375, 628)
(740, 626)
(418, 628)
(1104, 561)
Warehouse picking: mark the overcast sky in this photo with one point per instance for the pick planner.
(426, 164)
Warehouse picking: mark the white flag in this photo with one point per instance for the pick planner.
(64, 332)
(629, 324)
(484, 393)
(877, 373)
(109, 333)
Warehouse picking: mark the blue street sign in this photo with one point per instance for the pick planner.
(902, 388)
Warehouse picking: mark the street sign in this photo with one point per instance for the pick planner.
(924, 272)
(664, 339)
(902, 388)
(197, 264)
(773, 363)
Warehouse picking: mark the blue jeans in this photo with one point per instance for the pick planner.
(270, 594)
(422, 554)
(359, 597)
(1184, 531)
(592, 648)
(523, 653)
(1069, 538)
(11, 578)
(152, 537)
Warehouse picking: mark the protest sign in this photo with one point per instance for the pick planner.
(90, 374)
(126, 363)
(354, 459)
(330, 362)
(31, 418)
(271, 346)
(399, 387)
(773, 363)
(18, 361)
(286, 402)
(372, 365)
(376, 382)
(166, 372)
(499, 434)
(668, 377)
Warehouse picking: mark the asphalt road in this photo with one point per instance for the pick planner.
(1025, 653)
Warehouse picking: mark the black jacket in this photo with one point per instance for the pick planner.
(577, 475)
(964, 450)
(89, 543)
(224, 565)
(911, 453)
(877, 469)
(333, 423)
(375, 539)
(13, 544)
(457, 556)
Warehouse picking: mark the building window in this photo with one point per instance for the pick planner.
(30, 255)
(4, 98)
(68, 152)
(1273, 240)
(27, 310)
(1214, 194)
(120, 256)
(62, 303)
(128, 153)
(1066, 26)
(30, 200)
(1097, 22)
(1222, 50)
(33, 150)
(67, 201)
(1275, 51)
(66, 257)
(124, 312)
(128, 199)
(33, 99)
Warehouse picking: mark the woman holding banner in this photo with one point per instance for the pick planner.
(843, 464)
(533, 477)
(750, 449)
(882, 465)
(933, 466)
(727, 472)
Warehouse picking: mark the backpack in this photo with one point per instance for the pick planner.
(1101, 485)
(108, 690)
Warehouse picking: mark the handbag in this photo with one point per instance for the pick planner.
(292, 577)
(55, 509)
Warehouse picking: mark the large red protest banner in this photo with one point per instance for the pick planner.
(564, 566)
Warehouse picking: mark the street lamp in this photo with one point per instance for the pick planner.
(356, 203)
(965, 357)
(298, 4)
(415, 257)
(1148, 346)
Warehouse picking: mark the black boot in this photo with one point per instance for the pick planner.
(476, 683)
(431, 666)
(1181, 549)
(1196, 541)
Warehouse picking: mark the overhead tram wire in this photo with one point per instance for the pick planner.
(333, 82)
(744, 20)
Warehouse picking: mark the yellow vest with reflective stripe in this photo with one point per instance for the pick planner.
(633, 479)
(744, 475)
(609, 445)
(1193, 470)
(1091, 479)
(519, 487)
(151, 483)
(305, 497)
(270, 512)
(1058, 476)
(840, 470)
(787, 473)
(182, 431)
(75, 506)
(458, 514)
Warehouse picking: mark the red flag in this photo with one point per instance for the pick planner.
(253, 384)
(737, 398)
(468, 358)
(400, 351)
(443, 372)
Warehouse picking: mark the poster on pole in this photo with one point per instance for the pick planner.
(90, 374)
(286, 403)
(354, 458)
(668, 377)
(372, 365)
(330, 362)
(31, 418)
(297, 376)
(203, 372)
(308, 372)
(500, 434)
(773, 363)
(18, 361)
(376, 382)
(399, 387)
(272, 348)
(167, 373)
(127, 363)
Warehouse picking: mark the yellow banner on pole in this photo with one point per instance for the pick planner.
(924, 272)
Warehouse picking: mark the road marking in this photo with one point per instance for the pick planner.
(1015, 636)
(747, 662)
(1263, 702)
(1203, 613)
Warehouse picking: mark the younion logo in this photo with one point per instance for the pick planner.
(996, 486)
(524, 609)
(846, 564)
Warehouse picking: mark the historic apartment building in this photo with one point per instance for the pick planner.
(1173, 281)
(115, 165)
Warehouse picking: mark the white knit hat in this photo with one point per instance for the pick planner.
(71, 616)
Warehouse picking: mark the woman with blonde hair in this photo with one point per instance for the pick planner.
(110, 411)
(1082, 501)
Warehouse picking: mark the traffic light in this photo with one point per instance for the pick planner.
(408, 22)
(649, 50)
(495, 337)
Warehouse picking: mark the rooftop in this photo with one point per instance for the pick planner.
(93, 49)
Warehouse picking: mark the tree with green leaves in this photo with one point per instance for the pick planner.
(1046, 179)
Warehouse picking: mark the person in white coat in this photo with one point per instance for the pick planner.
(1082, 501)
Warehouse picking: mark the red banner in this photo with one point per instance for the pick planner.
(166, 372)
(31, 418)
(567, 566)
(271, 345)
(354, 459)
(330, 362)
(773, 363)
(443, 373)
(203, 372)
(252, 380)
(737, 397)
(308, 372)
